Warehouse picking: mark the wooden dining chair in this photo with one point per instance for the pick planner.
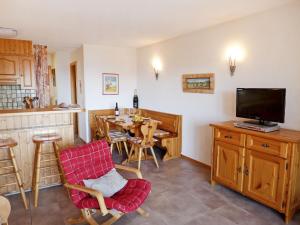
(115, 137)
(144, 143)
(99, 128)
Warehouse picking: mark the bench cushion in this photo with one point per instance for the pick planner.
(161, 133)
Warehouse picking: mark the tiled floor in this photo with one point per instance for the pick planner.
(181, 195)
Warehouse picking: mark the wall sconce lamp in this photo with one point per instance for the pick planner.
(156, 72)
(232, 65)
(156, 64)
(234, 54)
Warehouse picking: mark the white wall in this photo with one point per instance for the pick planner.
(272, 43)
(61, 61)
(104, 59)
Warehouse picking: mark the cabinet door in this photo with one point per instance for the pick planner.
(27, 73)
(265, 177)
(228, 164)
(9, 69)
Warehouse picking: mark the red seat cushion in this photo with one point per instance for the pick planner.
(92, 161)
(127, 200)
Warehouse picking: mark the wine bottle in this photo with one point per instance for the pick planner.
(117, 112)
(135, 100)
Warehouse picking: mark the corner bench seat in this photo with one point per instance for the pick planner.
(168, 132)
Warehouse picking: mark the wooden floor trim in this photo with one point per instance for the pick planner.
(196, 161)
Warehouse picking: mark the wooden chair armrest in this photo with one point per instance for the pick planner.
(129, 169)
(96, 194)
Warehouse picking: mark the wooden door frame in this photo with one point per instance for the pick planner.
(75, 115)
(74, 64)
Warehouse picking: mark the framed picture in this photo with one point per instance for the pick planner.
(110, 84)
(198, 83)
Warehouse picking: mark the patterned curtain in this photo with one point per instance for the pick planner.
(42, 76)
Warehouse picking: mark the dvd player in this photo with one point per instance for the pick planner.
(256, 127)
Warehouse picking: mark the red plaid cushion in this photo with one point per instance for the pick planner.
(131, 197)
(93, 161)
(85, 162)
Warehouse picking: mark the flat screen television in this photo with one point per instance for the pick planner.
(265, 105)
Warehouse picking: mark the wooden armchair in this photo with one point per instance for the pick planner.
(93, 161)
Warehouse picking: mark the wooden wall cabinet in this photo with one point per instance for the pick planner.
(9, 69)
(16, 63)
(261, 166)
(27, 76)
(15, 47)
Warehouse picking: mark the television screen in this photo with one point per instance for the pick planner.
(264, 104)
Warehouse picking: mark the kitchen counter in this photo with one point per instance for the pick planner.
(10, 112)
(22, 125)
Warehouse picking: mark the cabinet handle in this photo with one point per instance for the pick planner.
(246, 171)
(265, 145)
(239, 169)
(228, 136)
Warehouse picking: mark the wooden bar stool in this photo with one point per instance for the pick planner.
(9, 143)
(39, 140)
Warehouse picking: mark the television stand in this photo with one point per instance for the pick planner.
(261, 126)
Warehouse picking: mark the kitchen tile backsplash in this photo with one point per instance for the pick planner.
(11, 96)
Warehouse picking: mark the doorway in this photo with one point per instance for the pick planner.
(73, 80)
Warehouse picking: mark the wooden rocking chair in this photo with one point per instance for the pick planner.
(93, 161)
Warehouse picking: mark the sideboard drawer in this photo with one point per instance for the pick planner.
(272, 147)
(230, 137)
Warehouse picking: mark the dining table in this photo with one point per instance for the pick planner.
(127, 124)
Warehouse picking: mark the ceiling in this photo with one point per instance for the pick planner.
(63, 24)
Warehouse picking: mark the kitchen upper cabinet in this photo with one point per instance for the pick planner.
(16, 63)
(9, 69)
(27, 76)
(15, 47)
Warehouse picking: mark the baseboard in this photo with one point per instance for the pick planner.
(196, 161)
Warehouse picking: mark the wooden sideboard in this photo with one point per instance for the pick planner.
(262, 166)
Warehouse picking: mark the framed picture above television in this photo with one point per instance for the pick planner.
(199, 83)
(110, 84)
